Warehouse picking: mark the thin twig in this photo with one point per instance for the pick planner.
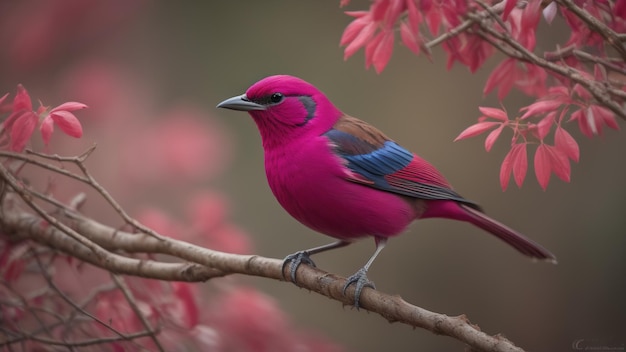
(68, 300)
(130, 298)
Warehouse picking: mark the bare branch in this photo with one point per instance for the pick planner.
(128, 294)
(392, 308)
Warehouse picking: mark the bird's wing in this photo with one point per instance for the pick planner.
(378, 162)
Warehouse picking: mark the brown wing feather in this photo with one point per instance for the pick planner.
(362, 130)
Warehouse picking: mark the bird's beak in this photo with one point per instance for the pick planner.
(240, 103)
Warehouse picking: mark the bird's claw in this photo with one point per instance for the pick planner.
(360, 280)
(294, 260)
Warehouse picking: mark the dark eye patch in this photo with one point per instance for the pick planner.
(310, 106)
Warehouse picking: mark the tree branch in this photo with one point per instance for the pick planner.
(209, 263)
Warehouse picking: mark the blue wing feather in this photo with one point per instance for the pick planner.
(390, 167)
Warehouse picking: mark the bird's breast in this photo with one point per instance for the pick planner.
(310, 182)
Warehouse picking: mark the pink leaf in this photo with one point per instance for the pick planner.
(603, 116)
(508, 7)
(360, 40)
(559, 163)
(542, 165)
(370, 49)
(503, 77)
(408, 38)
(70, 106)
(583, 123)
(352, 30)
(433, 19)
(495, 113)
(22, 129)
(68, 123)
(415, 16)
(22, 99)
(592, 120)
(540, 107)
(46, 129)
(492, 137)
(507, 165)
(545, 125)
(356, 14)
(383, 52)
(566, 143)
(520, 164)
(476, 129)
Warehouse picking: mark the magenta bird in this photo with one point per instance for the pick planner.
(344, 178)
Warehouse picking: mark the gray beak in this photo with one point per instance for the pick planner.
(240, 103)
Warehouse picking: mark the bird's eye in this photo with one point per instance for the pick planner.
(276, 98)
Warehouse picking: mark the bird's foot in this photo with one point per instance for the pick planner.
(360, 280)
(294, 260)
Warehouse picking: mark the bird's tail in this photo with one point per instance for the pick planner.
(518, 241)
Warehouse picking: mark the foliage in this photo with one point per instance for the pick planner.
(582, 81)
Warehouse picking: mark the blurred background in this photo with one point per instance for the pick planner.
(152, 73)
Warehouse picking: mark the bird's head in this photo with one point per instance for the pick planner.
(285, 108)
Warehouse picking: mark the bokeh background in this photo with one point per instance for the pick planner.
(140, 65)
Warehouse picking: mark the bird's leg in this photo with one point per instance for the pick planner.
(360, 277)
(303, 257)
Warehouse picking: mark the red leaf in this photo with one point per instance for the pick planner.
(520, 164)
(603, 116)
(433, 19)
(492, 137)
(69, 106)
(508, 7)
(476, 129)
(415, 16)
(68, 123)
(370, 49)
(46, 128)
(566, 143)
(559, 163)
(507, 165)
(352, 30)
(361, 39)
(583, 122)
(542, 166)
(22, 129)
(544, 126)
(22, 99)
(495, 113)
(383, 52)
(541, 107)
(503, 77)
(408, 38)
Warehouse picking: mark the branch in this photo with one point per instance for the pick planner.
(510, 47)
(597, 26)
(115, 251)
(214, 263)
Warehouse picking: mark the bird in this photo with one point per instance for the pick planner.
(346, 179)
